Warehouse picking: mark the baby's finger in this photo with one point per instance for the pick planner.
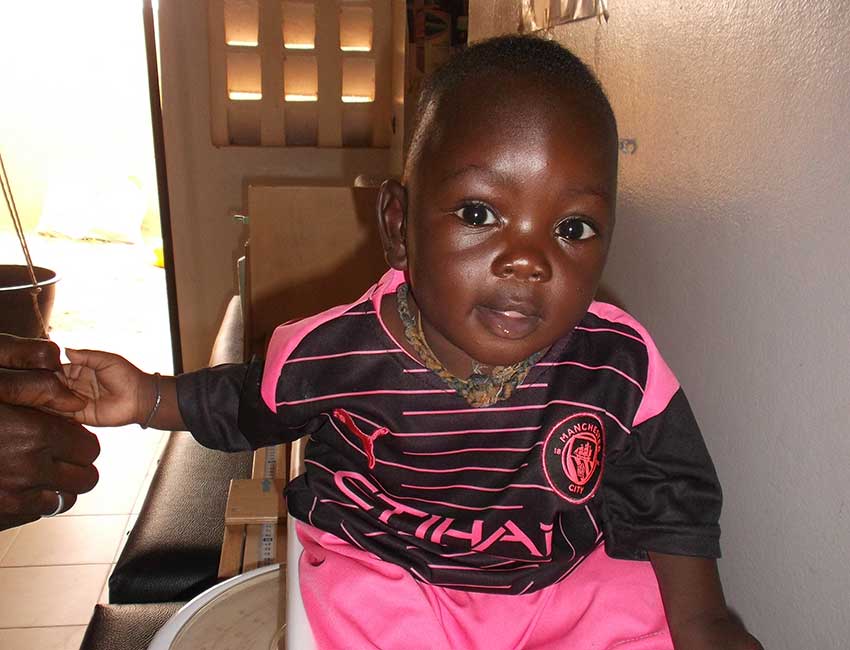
(94, 359)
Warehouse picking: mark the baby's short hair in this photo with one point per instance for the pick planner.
(530, 57)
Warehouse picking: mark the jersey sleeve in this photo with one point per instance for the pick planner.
(660, 488)
(223, 409)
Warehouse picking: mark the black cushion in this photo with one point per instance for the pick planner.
(173, 550)
(126, 627)
(172, 553)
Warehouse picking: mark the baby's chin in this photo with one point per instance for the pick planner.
(503, 359)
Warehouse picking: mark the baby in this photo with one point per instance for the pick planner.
(493, 456)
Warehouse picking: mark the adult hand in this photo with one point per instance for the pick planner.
(40, 453)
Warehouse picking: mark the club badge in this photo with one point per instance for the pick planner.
(573, 456)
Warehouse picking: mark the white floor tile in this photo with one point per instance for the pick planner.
(112, 496)
(46, 596)
(126, 454)
(42, 638)
(67, 540)
(126, 444)
(6, 539)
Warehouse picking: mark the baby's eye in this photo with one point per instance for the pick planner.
(477, 214)
(575, 228)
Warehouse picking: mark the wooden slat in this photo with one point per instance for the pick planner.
(272, 117)
(258, 461)
(382, 48)
(296, 463)
(243, 123)
(251, 557)
(280, 456)
(218, 74)
(399, 68)
(330, 73)
(251, 501)
(282, 466)
(280, 542)
(230, 562)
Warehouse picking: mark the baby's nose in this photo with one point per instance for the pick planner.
(523, 265)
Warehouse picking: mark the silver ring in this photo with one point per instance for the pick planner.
(60, 505)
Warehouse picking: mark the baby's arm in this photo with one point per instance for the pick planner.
(695, 607)
(118, 393)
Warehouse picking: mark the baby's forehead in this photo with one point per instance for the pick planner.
(483, 112)
(497, 95)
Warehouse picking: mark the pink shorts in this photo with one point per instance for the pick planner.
(356, 601)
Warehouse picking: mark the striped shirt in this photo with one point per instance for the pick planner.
(598, 444)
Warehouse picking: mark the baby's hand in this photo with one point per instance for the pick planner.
(113, 387)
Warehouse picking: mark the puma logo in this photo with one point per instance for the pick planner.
(368, 440)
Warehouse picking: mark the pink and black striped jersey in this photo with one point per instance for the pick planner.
(598, 444)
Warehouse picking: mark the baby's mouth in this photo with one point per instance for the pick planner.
(509, 322)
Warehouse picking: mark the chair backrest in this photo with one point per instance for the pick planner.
(311, 248)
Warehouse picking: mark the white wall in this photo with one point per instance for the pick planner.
(732, 247)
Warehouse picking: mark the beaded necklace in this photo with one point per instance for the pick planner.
(479, 389)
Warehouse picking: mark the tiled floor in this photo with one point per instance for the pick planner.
(53, 571)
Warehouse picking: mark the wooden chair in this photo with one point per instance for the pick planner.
(311, 247)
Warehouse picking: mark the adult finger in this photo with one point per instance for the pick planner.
(41, 453)
(34, 503)
(55, 502)
(31, 441)
(69, 477)
(71, 442)
(13, 521)
(42, 502)
(27, 354)
(38, 388)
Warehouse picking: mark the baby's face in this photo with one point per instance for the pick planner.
(510, 216)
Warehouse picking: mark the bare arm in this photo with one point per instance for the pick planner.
(119, 393)
(695, 607)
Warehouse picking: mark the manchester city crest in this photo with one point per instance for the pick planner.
(573, 455)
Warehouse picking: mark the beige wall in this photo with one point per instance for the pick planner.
(206, 182)
(732, 248)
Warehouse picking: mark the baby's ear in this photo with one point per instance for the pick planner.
(392, 223)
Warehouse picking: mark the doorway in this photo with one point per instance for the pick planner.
(76, 139)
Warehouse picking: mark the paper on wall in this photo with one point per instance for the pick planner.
(542, 14)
